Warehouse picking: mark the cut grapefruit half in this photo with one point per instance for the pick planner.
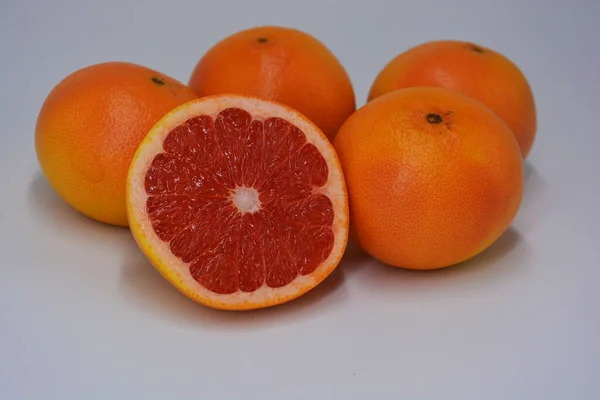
(240, 203)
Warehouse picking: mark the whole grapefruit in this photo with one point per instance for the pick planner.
(91, 124)
(482, 73)
(281, 64)
(434, 177)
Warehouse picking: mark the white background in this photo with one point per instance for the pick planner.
(83, 315)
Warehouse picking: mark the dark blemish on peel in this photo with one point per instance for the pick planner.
(262, 40)
(434, 118)
(448, 120)
(158, 81)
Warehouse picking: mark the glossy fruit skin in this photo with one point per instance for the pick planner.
(434, 177)
(89, 127)
(479, 72)
(280, 64)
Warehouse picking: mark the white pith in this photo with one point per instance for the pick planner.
(246, 199)
(172, 267)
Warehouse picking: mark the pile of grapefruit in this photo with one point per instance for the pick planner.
(243, 186)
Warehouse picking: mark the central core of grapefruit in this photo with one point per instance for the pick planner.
(246, 199)
(241, 198)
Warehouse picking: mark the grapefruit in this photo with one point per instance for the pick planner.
(482, 73)
(89, 127)
(434, 177)
(281, 64)
(238, 202)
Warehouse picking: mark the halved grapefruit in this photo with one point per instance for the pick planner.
(240, 203)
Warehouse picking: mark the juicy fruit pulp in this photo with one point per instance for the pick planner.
(241, 201)
(232, 210)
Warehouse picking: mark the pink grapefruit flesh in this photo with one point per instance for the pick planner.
(239, 202)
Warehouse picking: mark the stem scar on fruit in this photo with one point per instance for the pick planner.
(476, 48)
(158, 81)
(436, 119)
(262, 40)
(433, 118)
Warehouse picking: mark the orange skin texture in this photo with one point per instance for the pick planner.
(429, 195)
(479, 72)
(91, 124)
(283, 65)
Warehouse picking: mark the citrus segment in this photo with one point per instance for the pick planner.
(239, 202)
